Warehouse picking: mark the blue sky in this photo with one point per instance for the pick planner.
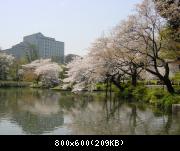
(76, 22)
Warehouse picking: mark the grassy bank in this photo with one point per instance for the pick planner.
(5, 84)
(157, 97)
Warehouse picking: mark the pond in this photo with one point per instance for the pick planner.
(34, 111)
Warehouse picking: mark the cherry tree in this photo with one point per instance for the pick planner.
(100, 65)
(106, 61)
(45, 70)
(80, 74)
(125, 44)
(147, 27)
(5, 62)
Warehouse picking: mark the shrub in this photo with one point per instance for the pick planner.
(162, 99)
(177, 89)
(136, 93)
(156, 96)
(139, 92)
(100, 87)
(168, 100)
(176, 77)
(128, 89)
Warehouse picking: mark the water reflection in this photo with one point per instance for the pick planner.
(33, 111)
(116, 117)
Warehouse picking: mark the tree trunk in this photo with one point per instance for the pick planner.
(117, 84)
(134, 80)
(107, 82)
(134, 75)
(110, 90)
(165, 78)
(169, 86)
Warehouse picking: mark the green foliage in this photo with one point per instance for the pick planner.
(168, 100)
(157, 97)
(128, 89)
(177, 89)
(176, 77)
(139, 92)
(103, 86)
(154, 82)
(114, 88)
(162, 99)
(100, 87)
(136, 93)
